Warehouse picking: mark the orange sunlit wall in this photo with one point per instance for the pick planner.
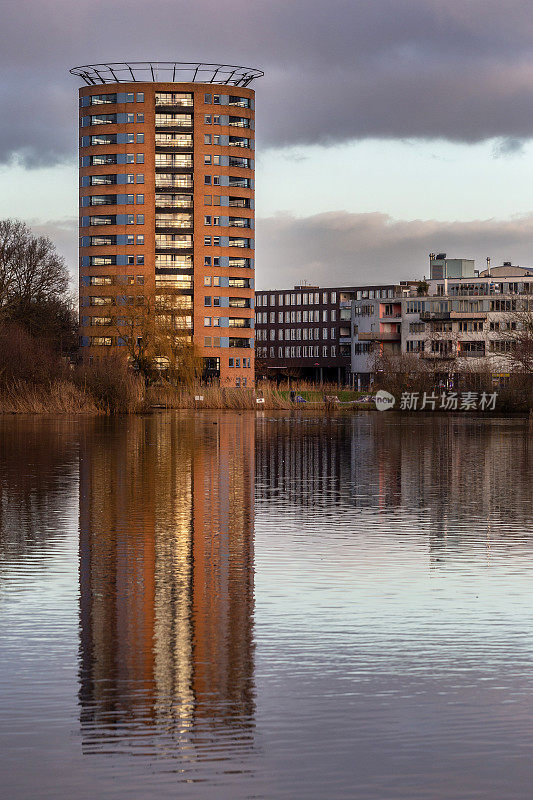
(166, 208)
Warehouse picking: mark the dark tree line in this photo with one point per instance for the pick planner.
(34, 291)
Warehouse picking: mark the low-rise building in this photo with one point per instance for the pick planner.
(460, 324)
(306, 332)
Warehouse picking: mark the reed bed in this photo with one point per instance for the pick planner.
(96, 390)
(59, 397)
(214, 397)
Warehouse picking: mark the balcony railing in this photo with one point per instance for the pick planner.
(173, 121)
(239, 302)
(173, 182)
(239, 202)
(239, 223)
(378, 336)
(239, 122)
(171, 160)
(241, 163)
(173, 201)
(173, 262)
(173, 221)
(428, 315)
(239, 141)
(173, 99)
(240, 183)
(173, 242)
(168, 140)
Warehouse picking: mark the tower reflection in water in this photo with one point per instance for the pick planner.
(166, 585)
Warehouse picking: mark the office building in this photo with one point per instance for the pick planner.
(167, 209)
(305, 332)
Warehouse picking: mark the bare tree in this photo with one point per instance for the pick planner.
(34, 285)
(31, 269)
(154, 333)
(516, 335)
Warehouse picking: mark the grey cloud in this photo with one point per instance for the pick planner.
(64, 234)
(510, 146)
(336, 70)
(341, 248)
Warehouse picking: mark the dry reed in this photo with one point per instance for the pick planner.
(59, 397)
(165, 395)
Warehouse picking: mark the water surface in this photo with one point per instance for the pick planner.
(228, 606)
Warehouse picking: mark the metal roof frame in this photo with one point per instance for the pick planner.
(156, 71)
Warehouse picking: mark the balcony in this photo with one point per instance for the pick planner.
(239, 202)
(236, 222)
(171, 201)
(239, 302)
(239, 141)
(468, 315)
(168, 140)
(390, 317)
(241, 102)
(429, 315)
(173, 220)
(173, 99)
(239, 283)
(173, 262)
(239, 122)
(241, 163)
(378, 336)
(173, 242)
(173, 121)
(173, 182)
(239, 322)
(166, 161)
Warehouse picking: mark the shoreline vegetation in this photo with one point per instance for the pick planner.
(96, 390)
(99, 392)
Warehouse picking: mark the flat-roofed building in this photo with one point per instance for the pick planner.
(167, 156)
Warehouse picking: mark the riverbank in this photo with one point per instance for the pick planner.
(92, 397)
(99, 393)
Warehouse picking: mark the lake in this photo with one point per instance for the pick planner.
(274, 605)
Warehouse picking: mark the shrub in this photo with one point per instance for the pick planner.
(114, 388)
(23, 358)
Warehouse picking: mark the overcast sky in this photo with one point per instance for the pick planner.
(386, 128)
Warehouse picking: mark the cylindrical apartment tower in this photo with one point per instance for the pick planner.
(167, 208)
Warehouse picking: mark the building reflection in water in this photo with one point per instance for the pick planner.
(166, 584)
(457, 471)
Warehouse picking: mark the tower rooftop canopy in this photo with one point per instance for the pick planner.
(166, 72)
